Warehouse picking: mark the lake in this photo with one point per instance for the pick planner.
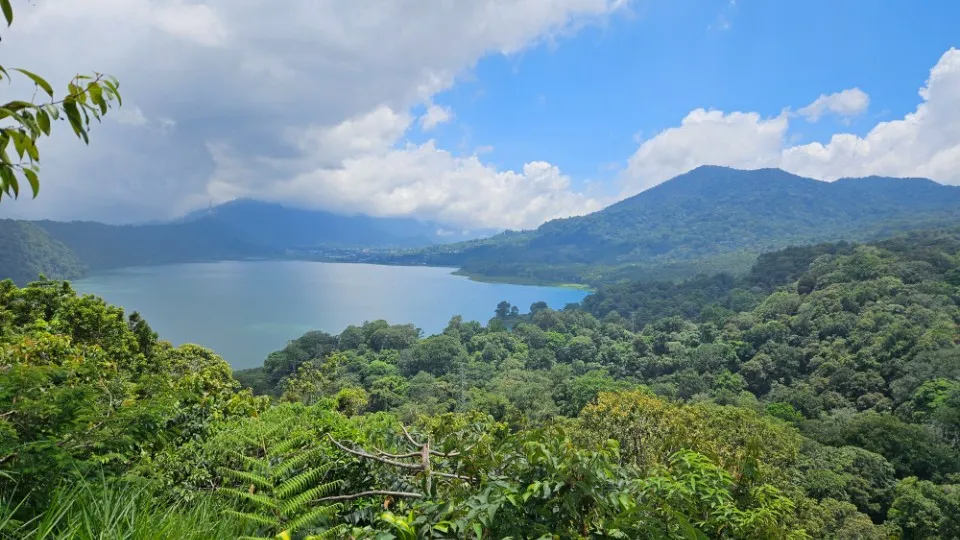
(244, 310)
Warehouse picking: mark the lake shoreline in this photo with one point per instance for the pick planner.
(245, 310)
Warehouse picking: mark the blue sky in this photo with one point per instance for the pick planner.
(582, 103)
(487, 113)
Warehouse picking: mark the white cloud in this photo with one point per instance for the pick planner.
(924, 143)
(195, 22)
(130, 115)
(849, 102)
(435, 116)
(737, 139)
(320, 89)
(358, 170)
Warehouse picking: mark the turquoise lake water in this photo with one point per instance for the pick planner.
(244, 310)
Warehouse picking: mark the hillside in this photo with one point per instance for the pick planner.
(102, 246)
(26, 251)
(236, 230)
(816, 397)
(688, 222)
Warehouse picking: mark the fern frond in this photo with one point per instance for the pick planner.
(297, 503)
(249, 440)
(299, 482)
(256, 498)
(296, 462)
(313, 516)
(248, 477)
(256, 518)
(285, 446)
(254, 464)
(334, 532)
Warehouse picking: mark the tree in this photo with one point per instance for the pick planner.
(87, 97)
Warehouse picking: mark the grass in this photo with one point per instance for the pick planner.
(118, 510)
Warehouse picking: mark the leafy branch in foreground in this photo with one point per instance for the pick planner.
(22, 123)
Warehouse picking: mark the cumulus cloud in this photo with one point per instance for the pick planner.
(360, 171)
(435, 116)
(924, 143)
(847, 103)
(318, 89)
(743, 140)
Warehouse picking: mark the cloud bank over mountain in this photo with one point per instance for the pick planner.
(331, 105)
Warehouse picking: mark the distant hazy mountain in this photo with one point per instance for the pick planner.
(710, 219)
(277, 226)
(102, 246)
(708, 212)
(236, 230)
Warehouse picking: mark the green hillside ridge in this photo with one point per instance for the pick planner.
(817, 396)
(709, 219)
(712, 219)
(27, 251)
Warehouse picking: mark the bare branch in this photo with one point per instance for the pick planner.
(397, 456)
(366, 455)
(454, 476)
(372, 494)
(409, 438)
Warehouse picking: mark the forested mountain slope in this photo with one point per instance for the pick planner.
(816, 397)
(710, 217)
(856, 346)
(236, 230)
(102, 246)
(26, 251)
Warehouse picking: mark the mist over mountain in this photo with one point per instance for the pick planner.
(709, 219)
(277, 226)
(242, 229)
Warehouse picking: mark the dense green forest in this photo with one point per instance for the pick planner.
(818, 396)
(709, 219)
(27, 251)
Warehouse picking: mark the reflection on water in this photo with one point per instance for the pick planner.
(246, 309)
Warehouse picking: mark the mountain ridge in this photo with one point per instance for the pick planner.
(708, 212)
(709, 219)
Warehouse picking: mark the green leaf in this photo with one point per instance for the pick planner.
(34, 181)
(7, 11)
(38, 80)
(76, 122)
(43, 120)
(9, 181)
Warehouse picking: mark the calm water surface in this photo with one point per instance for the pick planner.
(245, 310)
